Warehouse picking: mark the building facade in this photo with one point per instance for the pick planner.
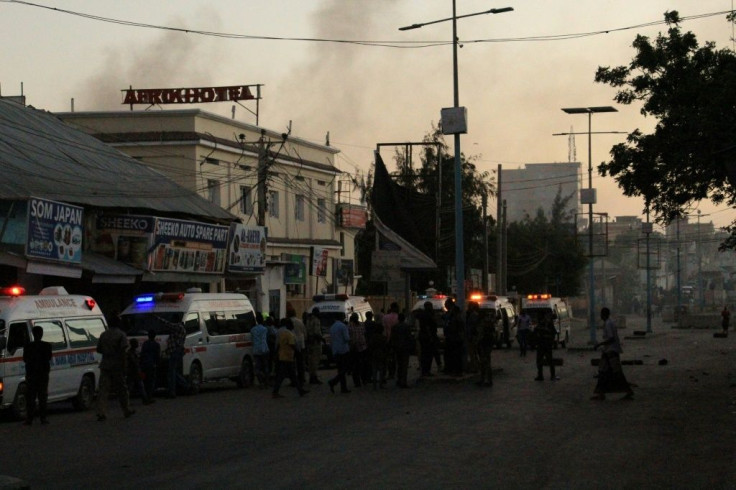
(287, 186)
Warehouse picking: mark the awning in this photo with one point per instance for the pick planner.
(49, 269)
(108, 271)
(180, 277)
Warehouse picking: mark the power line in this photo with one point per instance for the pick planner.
(401, 44)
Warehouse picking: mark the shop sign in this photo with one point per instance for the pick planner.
(295, 271)
(352, 216)
(247, 249)
(198, 95)
(189, 246)
(123, 237)
(55, 231)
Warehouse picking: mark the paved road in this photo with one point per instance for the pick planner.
(678, 432)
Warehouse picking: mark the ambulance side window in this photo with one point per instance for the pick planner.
(191, 323)
(53, 333)
(215, 322)
(84, 332)
(17, 336)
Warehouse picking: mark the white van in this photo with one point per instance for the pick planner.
(500, 308)
(333, 307)
(218, 344)
(72, 324)
(537, 305)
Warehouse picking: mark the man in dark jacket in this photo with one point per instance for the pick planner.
(37, 356)
(545, 334)
(403, 345)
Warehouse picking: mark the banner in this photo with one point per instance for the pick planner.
(189, 246)
(296, 271)
(247, 249)
(124, 237)
(55, 231)
(319, 262)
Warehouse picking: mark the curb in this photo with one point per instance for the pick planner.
(13, 483)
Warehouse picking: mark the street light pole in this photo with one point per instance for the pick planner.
(459, 241)
(590, 200)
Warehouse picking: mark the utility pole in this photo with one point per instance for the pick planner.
(484, 279)
(504, 251)
(679, 285)
(499, 247)
(262, 177)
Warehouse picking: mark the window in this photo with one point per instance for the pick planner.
(299, 208)
(53, 333)
(215, 322)
(191, 323)
(321, 210)
(17, 336)
(246, 201)
(212, 161)
(273, 204)
(84, 332)
(213, 191)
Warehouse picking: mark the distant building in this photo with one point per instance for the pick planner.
(536, 185)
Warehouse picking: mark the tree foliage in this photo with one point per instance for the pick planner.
(543, 255)
(689, 89)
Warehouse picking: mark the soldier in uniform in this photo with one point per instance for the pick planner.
(314, 345)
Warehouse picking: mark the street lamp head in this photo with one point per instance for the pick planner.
(588, 110)
(408, 28)
(501, 10)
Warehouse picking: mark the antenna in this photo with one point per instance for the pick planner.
(571, 151)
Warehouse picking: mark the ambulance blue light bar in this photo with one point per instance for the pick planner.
(144, 299)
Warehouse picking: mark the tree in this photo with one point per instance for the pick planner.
(425, 179)
(690, 90)
(543, 255)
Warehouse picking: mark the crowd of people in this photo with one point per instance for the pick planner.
(372, 352)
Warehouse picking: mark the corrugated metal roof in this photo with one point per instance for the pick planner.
(43, 157)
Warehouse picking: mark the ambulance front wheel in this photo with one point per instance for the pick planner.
(19, 408)
(85, 395)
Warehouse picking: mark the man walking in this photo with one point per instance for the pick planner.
(428, 340)
(404, 345)
(113, 345)
(300, 332)
(37, 356)
(285, 367)
(258, 335)
(314, 345)
(175, 353)
(545, 335)
(525, 322)
(611, 377)
(340, 343)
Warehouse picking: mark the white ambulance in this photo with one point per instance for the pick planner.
(333, 307)
(218, 344)
(537, 305)
(502, 310)
(72, 324)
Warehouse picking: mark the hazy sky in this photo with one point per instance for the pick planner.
(513, 86)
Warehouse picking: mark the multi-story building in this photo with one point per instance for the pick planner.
(285, 184)
(536, 186)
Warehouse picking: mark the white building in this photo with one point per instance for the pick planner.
(236, 165)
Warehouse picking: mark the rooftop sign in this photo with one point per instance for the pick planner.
(151, 96)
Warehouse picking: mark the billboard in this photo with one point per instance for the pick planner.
(319, 256)
(247, 249)
(55, 231)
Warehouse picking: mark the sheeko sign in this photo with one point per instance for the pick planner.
(197, 95)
